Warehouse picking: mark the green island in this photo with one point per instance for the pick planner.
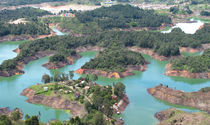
(191, 67)
(120, 34)
(158, 45)
(87, 101)
(114, 62)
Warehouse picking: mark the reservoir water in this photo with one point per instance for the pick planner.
(142, 106)
(189, 28)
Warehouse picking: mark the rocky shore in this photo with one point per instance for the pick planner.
(199, 99)
(58, 102)
(185, 73)
(70, 60)
(7, 111)
(89, 48)
(174, 116)
(151, 53)
(24, 37)
(128, 72)
(193, 50)
(26, 60)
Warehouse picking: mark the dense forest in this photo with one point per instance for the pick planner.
(29, 23)
(31, 27)
(123, 16)
(178, 10)
(115, 59)
(23, 2)
(205, 13)
(108, 18)
(25, 12)
(164, 44)
(195, 64)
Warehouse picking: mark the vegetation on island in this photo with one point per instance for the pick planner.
(164, 44)
(25, 12)
(15, 119)
(98, 100)
(174, 116)
(194, 64)
(123, 16)
(115, 59)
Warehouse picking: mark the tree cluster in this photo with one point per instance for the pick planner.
(25, 12)
(115, 59)
(164, 44)
(194, 64)
(120, 16)
(205, 13)
(32, 27)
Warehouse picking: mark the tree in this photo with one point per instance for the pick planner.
(56, 76)
(71, 74)
(4, 120)
(119, 89)
(15, 115)
(87, 78)
(27, 116)
(88, 106)
(98, 119)
(46, 78)
(95, 77)
(32, 121)
(64, 77)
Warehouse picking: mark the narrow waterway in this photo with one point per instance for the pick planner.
(142, 106)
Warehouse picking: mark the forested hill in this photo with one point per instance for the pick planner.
(31, 27)
(163, 44)
(115, 59)
(123, 16)
(197, 64)
(25, 12)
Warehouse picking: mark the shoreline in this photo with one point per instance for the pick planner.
(173, 116)
(41, 54)
(12, 38)
(59, 101)
(117, 75)
(54, 102)
(70, 61)
(199, 99)
(184, 73)
(26, 60)
(151, 53)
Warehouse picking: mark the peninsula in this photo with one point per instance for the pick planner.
(199, 99)
(190, 67)
(83, 97)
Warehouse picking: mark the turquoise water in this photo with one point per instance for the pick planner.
(6, 50)
(142, 106)
(57, 31)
